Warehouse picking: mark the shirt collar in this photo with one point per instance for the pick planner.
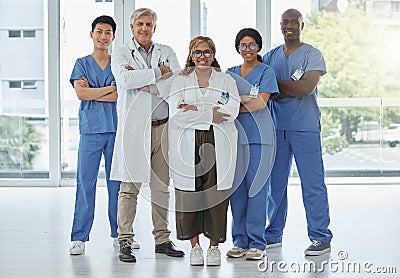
(194, 75)
(139, 47)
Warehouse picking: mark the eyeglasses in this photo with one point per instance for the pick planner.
(199, 53)
(251, 46)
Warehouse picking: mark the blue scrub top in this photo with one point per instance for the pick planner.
(95, 116)
(296, 113)
(256, 127)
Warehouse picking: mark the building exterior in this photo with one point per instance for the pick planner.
(22, 89)
(385, 13)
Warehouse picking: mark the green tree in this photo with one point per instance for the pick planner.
(351, 44)
(19, 143)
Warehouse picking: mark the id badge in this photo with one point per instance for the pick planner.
(297, 74)
(254, 91)
(224, 98)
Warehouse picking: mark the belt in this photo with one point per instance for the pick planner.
(159, 122)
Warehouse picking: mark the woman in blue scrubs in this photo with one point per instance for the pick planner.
(256, 148)
(92, 80)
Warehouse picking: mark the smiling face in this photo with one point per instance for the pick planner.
(143, 30)
(202, 61)
(291, 26)
(248, 49)
(102, 36)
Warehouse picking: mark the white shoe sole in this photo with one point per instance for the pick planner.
(213, 263)
(199, 262)
(274, 245)
(317, 253)
(255, 258)
(236, 256)
(75, 253)
(239, 255)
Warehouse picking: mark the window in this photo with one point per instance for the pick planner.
(29, 33)
(31, 84)
(378, 6)
(15, 84)
(26, 84)
(14, 33)
(108, 0)
(395, 6)
(224, 38)
(25, 33)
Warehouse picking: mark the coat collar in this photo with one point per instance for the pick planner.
(155, 55)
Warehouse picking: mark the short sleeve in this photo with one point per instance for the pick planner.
(78, 71)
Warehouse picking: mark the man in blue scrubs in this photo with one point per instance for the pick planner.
(93, 83)
(298, 67)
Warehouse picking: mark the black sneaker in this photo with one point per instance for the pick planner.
(317, 248)
(125, 252)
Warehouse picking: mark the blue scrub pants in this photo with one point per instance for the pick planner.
(306, 149)
(249, 197)
(91, 147)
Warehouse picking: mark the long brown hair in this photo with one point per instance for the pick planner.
(189, 66)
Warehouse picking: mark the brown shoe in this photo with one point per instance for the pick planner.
(168, 248)
(125, 252)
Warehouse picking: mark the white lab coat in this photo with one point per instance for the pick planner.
(131, 158)
(182, 126)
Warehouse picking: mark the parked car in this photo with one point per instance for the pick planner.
(368, 131)
(392, 135)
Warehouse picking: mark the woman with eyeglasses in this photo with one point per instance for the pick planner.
(256, 148)
(204, 103)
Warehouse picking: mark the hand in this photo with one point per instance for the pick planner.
(219, 117)
(83, 82)
(245, 99)
(144, 88)
(188, 107)
(166, 72)
(128, 67)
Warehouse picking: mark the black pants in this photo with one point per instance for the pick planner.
(205, 209)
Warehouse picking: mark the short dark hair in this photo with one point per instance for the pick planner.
(249, 32)
(105, 19)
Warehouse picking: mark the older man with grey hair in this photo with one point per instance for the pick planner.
(142, 70)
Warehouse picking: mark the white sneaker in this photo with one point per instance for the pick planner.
(115, 242)
(237, 252)
(135, 245)
(196, 255)
(213, 256)
(77, 248)
(255, 254)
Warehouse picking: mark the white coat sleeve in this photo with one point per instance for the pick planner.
(200, 120)
(129, 79)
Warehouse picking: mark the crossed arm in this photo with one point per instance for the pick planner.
(84, 92)
(300, 88)
(248, 104)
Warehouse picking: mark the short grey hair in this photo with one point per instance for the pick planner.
(143, 11)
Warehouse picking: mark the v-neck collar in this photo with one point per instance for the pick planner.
(244, 77)
(94, 60)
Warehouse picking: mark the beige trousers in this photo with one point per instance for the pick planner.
(159, 180)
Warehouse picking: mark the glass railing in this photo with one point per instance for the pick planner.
(361, 138)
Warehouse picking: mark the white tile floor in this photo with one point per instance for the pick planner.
(35, 226)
